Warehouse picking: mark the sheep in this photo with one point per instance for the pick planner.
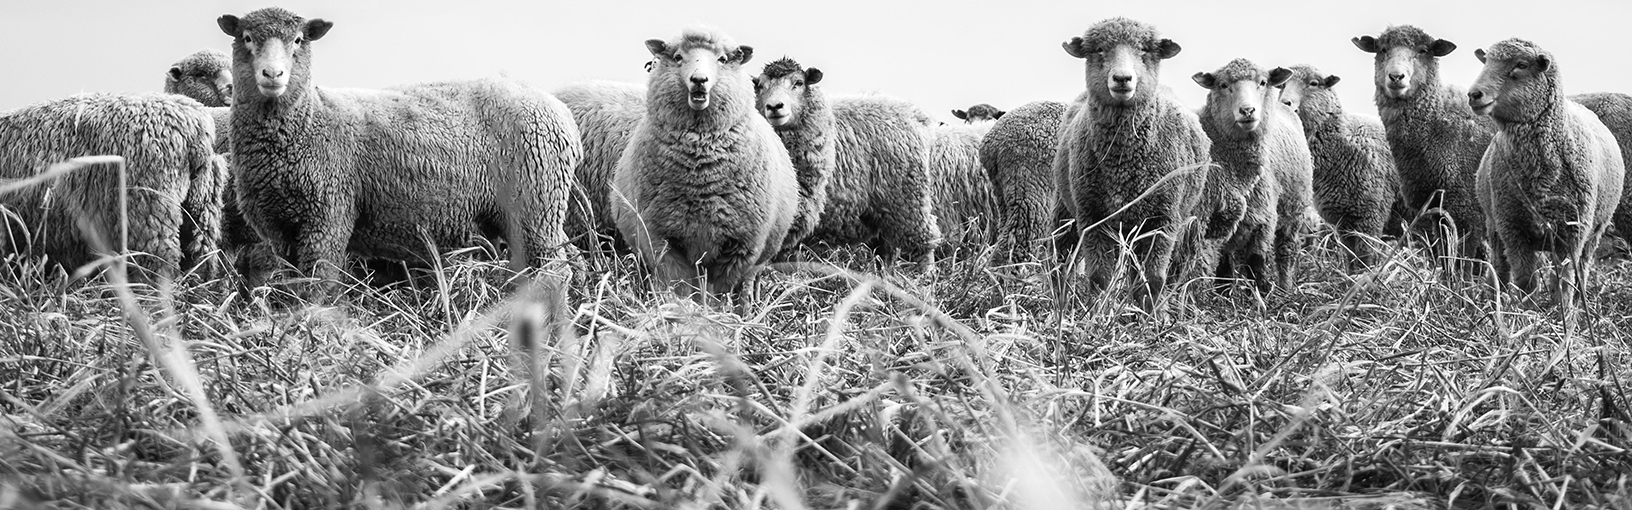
(790, 97)
(1018, 155)
(172, 184)
(1356, 186)
(964, 203)
(390, 174)
(205, 76)
(1258, 142)
(1435, 138)
(880, 194)
(1128, 134)
(607, 113)
(1553, 174)
(705, 190)
(1615, 110)
(979, 113)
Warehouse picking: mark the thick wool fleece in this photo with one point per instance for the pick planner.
(964, 203)
(607, 113)
(173, 179)
(809, 136)
(204, 76)
(1018, 155)
(1615, 110)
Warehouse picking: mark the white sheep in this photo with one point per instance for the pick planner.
(607, 113)
(1018, 155)
(965, 206)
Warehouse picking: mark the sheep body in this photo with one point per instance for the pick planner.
(1018, 156)
(607, 113)
(880, 194)
(173, 179)
(964, 203)
(1615, 111)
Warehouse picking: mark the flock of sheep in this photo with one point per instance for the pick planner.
(710, 171)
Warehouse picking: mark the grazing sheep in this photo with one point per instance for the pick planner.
(1128, 135)
(979, 113)
(1357, 189)
(790, 97)
(1553, 174)
(1436, 139)
(607, 113)
(393, 174)
(205, 76)
(173, 179)
(1258, 143)
(1615, 110)
(1018, 155)
(964, 203)
(705, 190)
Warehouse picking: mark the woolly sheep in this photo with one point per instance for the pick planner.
(1356, 186)
(1435, 138)
(790, 97)
(173, 179)
(1128, 134)
(1615, 110)
(964, 204)
(607, 113)
(1259, 144)
(979, 113)
(388, 173)
(1018, 155)
(705, 189)
(205, 76)
(1552, 175)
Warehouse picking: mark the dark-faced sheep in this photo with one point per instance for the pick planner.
(1018, 155)
(1261, 151)
(607, 113)
(979, 113)
(392, 173)
(1129, 135)
(790, 97)
(1552, 176)
(705, 191)
(1357, 189)
(172, 187)
(964, 203)
(1436, 139)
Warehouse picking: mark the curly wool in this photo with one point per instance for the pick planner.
(704, 193)
(173, 179)
(1615, 111)
(880, 194)
(198, 76)
(607, 113)
(964, 203)
(1018, 156)
(810, 139)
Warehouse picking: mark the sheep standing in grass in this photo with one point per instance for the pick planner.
(705, 191)
(172, 185)
(1436, 139)
(1357, 189)
(790, 98)
(1615, 110)
(880, 194)
(979, 113)
(1258, 144)
(393, 174)
(1552, 176)
(1018, 155)
(1128, 135)
(607, 113)
(964, 203)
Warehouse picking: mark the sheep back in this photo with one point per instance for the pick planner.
(607, 113)
(880, 192)
(964, 203)
(1018, 155)
(1615, 111)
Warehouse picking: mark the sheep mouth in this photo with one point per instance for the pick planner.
(1246, 124)
(777, 119)
(272, 90)
(1482, 108)
(698, 99)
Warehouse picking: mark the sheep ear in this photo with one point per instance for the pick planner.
(1441, 47)
(1366, 43)
(998, 115)
(744, 54)
(316, 27)
(1542, 63)
(1206, 80)
(960, 114)
(1479, 53)
(1278, 76)
(813, 76)
(1074, 47)
(756, 82)
(658, 48)
(1167, 49)
(1332, 80)
(228, 24)
(175, 73)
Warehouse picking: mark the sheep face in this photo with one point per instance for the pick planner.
(782, 92)
(271, 50)
(1516, 83)
(979, 113)
(1406, 59)
(1309, 92)
(695, 68)
(1123, 57)
(205, 76)
(1238, 93)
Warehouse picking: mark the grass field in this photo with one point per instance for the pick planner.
(971, 387)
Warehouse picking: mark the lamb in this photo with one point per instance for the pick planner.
(705, 191)
(1356, 186)
(1436, 139)
(172, 185)
(979, 113)
(790, 97)
(1260, 147)
(205, 76)
(1018, 155)
(391, 174)
(964, 203)
(607, 113)
(1552, 176)
(1128, 135)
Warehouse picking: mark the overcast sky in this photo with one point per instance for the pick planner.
(939, 54)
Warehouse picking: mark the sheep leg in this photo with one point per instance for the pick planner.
(1522, 264)
(1156, 261)
(1224, 274)
(1286, 252)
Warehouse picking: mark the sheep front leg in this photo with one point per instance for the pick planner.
(1521, 266)
(1156, 261)
(1286, 255)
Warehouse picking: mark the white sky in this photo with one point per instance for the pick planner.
(939, 54)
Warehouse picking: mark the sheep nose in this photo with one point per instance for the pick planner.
(1475, 95)
(268, 73)
(699, 79)
(1247, 110)
(1396, 77)
(1122, 78)
(774, 107)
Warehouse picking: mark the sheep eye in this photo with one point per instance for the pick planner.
(676, 57)
(722, 59)
(1522, 65)
(798, 84)
(1314, 83)
(1263, 82)
(300, 40)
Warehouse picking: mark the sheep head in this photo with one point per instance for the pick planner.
(1407, 60)
(1123, 57)
(1309, 92)
(271, 50)
(205, 76)
(697, 63)
(783, 93)
(979, 113)
(1518, 83)
(1239, 93)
